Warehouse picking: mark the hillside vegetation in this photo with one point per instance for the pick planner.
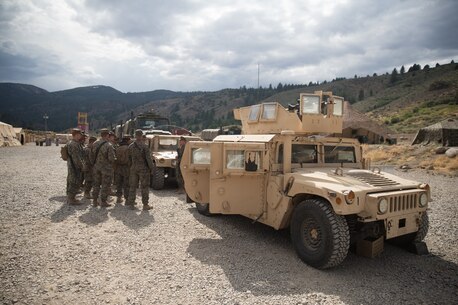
(405, 101)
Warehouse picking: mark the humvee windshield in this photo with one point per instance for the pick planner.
(339, 154)
(151, 123)
(300, 153)
(168, 144)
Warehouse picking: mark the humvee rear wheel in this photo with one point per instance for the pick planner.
(158, 178)
(320, 237)
(203, 208)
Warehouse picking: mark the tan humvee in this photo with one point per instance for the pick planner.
(280, 173)
(164, 154)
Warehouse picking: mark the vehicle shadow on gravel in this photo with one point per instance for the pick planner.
(258, 259)
(131, 218)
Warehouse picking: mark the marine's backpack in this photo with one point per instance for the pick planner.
(64, 152)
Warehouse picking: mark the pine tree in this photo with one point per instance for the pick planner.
(394, 76)
(403, 70)
(361, 95)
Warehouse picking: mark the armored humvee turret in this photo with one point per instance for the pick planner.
(284, 172)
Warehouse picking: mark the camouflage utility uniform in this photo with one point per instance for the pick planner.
(141, 165)
(102, 156)
(122, 171)
(75, 165)
(88, 173)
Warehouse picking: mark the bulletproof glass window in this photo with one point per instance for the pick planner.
(252, 161)
(235, 159)
(254, 112)
(303, 153)
(168, 144)
(338, 106)
(269, 111)
(339, 154)
(310, 104)
(200, 156)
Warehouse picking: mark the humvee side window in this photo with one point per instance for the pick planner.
(252, 161)
(338, 106)
(200, 156)
(269, 111)
(254, 112)
(310, 104)
(235, 159)
(339, 154)
(303, 153)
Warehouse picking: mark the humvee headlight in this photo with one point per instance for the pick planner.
(174, 162)
(161, 160)
(423, 200)
(349, 196)
(382, 206)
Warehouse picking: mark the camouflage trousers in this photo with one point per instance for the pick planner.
(122, 181)
(102, 183)
(88, 180)
(74, 180)
(139, 175)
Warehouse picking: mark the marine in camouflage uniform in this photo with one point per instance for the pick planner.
(122, 169)
(75, 166)
(103, 157)
(88, 173)
(141, 166)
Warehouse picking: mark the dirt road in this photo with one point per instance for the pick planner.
(51, 253)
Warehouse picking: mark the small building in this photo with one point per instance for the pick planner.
(360, 126)
(444, 132)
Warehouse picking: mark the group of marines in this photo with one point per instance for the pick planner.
(104, 162)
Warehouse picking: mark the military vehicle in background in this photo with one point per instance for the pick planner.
(151, 122)
(210, 134)
(284, 171)
(164, 154)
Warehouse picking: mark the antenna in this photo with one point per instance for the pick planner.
(257, 92)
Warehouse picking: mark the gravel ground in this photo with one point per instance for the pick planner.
(51, 253)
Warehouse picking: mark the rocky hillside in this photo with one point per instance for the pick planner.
(404, 100)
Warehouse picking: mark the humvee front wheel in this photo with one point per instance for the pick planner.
(158, 178)
(320, 237)
(203, 208)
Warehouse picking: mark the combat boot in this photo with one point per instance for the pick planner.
(87, 195)
(147, 207)
(72, 200)
(105, 204)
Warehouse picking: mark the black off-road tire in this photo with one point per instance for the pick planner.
(203, 208)
(415, 237)
(320, 237)
(158, 178)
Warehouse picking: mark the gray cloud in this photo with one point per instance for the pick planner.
(202, 45)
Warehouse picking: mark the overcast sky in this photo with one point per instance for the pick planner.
(142, 45)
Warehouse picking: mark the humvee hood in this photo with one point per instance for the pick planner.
(354, 179)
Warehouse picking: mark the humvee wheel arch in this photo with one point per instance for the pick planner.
(320, 237)
(158, 178)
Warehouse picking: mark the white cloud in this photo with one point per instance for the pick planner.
(201, 45)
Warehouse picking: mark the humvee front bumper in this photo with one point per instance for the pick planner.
(400, 210)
